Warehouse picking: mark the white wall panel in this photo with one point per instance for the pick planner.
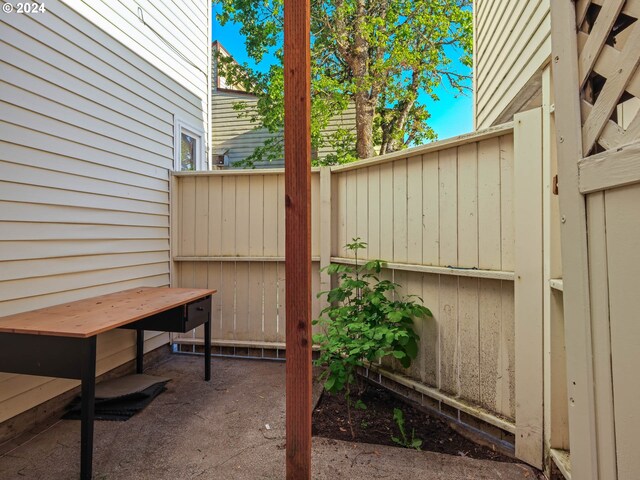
(87, 104)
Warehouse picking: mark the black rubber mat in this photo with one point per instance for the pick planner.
(121, 407)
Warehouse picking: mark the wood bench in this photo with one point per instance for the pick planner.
(60, 341)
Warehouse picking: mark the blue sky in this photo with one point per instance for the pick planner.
(450, 116)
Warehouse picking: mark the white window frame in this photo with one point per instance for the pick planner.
(180, 127)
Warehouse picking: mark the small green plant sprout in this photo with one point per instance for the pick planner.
(403, 440)
(367, 320)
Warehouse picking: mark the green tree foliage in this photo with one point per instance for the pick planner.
(379, 55)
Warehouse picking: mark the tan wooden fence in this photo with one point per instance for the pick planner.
(229, 236)
(443, 218)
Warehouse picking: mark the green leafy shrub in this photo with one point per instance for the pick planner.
(366, 321)
(403, 440)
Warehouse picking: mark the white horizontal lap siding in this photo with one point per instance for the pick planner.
(86, 148)
(170, 26)
(513, 43)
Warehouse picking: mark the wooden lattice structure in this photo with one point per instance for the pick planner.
(608, 59)
(596, 55)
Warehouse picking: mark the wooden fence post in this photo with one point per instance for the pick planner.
(297, 149)
(529, 280)
(556, 423)
(575, 264)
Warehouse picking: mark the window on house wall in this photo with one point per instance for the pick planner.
(189, 148)
(220, 157)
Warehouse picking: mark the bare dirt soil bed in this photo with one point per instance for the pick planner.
(376, 425)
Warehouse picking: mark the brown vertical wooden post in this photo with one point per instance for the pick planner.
(297, 140)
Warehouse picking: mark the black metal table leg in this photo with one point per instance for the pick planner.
(207, 350)
(88, 369)
(139, 350)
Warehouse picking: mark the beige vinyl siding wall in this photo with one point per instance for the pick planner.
(86, 132)
(234, 131)
(512, 44)
(175, 38)
(171, 25)
(346, 120)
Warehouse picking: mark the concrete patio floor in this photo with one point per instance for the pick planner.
(217, 430)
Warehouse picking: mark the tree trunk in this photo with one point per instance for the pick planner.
(365, 107)
(389, 140)
(365, 111)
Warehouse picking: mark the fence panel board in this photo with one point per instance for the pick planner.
(351, 220)
(448, 321)
(341, 220)
(489, 228)
(187, 216)
(282, 317)
(386, 211)
(280, 212)
(448, 201)
(215, 215)
(490, 312)
(257, 214)
(214, 281)
(415, 219)
(269, 321)
(507, 245)
(430, 341)
(469, 339)
(430, 209)
(400, 211)
(271, 217)
(228, 225)
(374, 221)
(468, 206)
(362, 206)
(201, 230)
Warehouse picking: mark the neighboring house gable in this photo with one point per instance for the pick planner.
(219, 82)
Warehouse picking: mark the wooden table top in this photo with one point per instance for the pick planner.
(92, 316)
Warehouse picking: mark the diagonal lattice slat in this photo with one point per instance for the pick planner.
(597, 37)
(608, 62)
(609, 74)
(581, 11)
(630, 8)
